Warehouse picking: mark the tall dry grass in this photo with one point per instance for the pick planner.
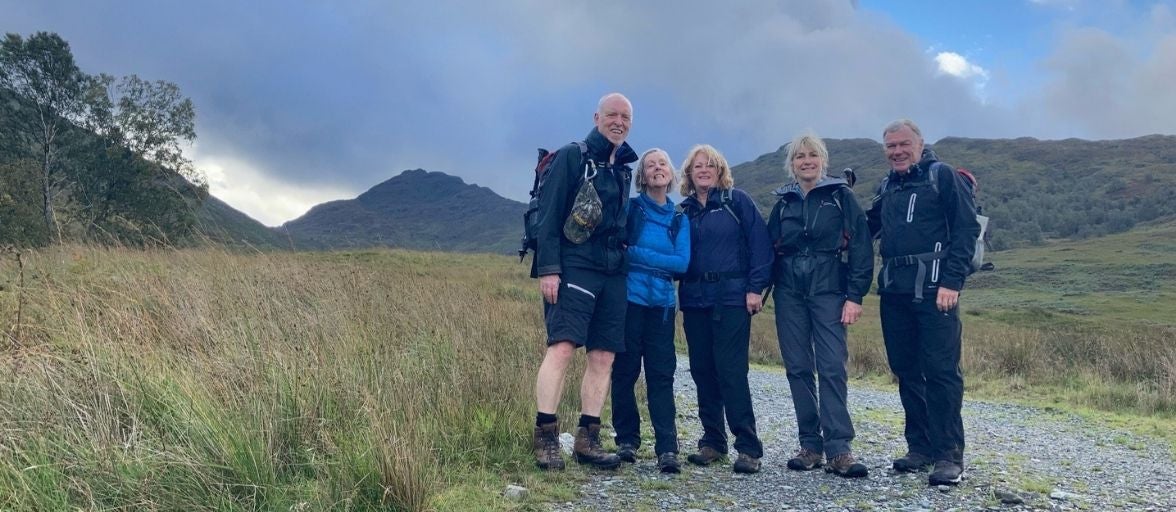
(204, 380)
(1125, 369)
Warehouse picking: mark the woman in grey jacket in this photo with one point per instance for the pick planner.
(823, 266)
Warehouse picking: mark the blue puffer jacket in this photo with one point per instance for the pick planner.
(655, 258)
(729, 257)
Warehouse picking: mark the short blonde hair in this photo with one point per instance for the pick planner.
(806, 140)
(724, 181)
(639, 180)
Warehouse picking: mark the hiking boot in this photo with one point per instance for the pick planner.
(946, 472)
(588, 450)
(845, 465)
(912, 462)
(804, 460)
(746, 464)
(705, 456)
(546, 447)
(627, 452)
(668, 463)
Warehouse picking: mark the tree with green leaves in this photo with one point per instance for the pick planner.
(41, 71)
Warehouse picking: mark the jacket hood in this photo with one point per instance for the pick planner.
(599, 148)
(794, 187)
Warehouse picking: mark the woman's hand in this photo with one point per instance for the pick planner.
(755, 303)
(850, 312)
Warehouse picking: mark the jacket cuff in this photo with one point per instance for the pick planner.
(856, 299)
(952, 284)
(548, 270)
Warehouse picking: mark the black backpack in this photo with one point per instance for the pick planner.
(531, 217)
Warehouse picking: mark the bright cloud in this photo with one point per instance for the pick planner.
(954, 64)
(259, 194)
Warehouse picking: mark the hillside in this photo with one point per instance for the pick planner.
(414, 210)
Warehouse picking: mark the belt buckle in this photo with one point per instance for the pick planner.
(710, 277)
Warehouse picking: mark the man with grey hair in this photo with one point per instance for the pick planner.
(926, 220)
(580, 264)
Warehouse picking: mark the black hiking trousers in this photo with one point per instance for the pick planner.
(649, 342)
(718, 339)
(923, 349)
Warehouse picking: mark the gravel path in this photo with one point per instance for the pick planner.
(1050, 460)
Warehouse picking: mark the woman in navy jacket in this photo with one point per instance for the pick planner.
(730, 265)
(659, 249)
(824, 263)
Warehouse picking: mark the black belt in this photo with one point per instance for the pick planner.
(713, 277)
(660, 274)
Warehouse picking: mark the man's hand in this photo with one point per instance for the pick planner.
(549, 287)
(850, 312)
(755, 303)
(947, 299)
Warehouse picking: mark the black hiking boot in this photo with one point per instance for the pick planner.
(912, 462)
(589, 451)
(627, 452)
(946, 472)
(746, 464)
(668, 463)
(705, 456)
(804, 460)
(545, 443)
(845, 465)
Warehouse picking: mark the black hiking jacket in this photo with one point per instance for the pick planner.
(604, 250)
(912, 220)
(810, 236)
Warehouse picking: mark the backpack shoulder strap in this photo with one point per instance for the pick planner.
(725, 200)
(676, 224)
(634, 222)
(933, 175)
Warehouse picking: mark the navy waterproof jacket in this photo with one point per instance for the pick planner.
(913, 219)
(604, 250)
(821, 241)
(730, 255)
(655, 258)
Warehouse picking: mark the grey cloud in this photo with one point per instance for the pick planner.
(348, 94)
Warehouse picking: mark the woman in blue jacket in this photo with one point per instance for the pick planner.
(824, 263)
(730, 266)
(659, 248)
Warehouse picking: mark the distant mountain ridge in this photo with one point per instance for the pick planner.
(416, 209)
(1032, 189)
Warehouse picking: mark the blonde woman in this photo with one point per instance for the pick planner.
(730, 266)
(824, 263)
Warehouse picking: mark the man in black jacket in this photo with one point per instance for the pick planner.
(928, 229)
(581, 271)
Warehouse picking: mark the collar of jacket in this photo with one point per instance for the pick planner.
(599, 149)
(649, 204)
(794, 187)
(691, 201)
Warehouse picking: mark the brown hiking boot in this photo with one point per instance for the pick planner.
(546, 447)
(589, 451)
(804, 460)
(746, 464)
(705, 455)
(846, 466)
